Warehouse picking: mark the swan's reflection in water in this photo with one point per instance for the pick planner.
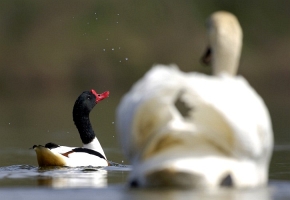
(73, 177)
(109, 182)
(263, 193)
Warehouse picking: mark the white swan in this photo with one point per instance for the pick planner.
(224, 139)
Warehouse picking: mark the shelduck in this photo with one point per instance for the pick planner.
(197, 131)
(92, 153)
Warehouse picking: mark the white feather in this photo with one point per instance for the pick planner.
(66, 156)
(77, 159)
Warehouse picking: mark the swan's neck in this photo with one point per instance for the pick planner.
(225, 39)
(83, 124)
(226, 59)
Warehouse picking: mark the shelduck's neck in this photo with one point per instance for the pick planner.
(83, 124)
(87, 133)
(95, 145)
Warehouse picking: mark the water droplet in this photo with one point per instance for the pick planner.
(117, 22)
(113, 136)
(107, 39)
(122, 161)
(96, 18)
(120, 61)
(119, 47)
(9, 123)
(126, 59)
(113, 122)
(113, 49)
(118, 14)
(95, 13)
(104, 49)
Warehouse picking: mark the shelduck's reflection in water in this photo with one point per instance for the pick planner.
(65, 177)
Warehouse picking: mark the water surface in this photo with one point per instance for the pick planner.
(25, 181)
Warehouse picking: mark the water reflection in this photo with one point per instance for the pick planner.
(230, 194)
(93, 181)
(73, 177)
(274, 191)
(280, 163)
(61, 177)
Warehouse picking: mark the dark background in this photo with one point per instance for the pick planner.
(51, 51)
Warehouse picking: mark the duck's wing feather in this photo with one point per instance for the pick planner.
(84, 157)
(83, 151)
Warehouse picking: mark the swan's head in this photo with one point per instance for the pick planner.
(225, 43)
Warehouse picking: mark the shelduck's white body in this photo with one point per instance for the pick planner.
(88, 155)
(224, 139)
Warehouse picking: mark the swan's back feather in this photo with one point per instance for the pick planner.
(225, 109)
(230, 113)
(142, 111)
(227, 121)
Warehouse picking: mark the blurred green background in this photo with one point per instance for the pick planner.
(51, 51)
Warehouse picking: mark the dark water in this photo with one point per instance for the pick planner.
(31, 182)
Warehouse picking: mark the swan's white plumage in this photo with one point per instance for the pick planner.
(227, 131)
(220, 136)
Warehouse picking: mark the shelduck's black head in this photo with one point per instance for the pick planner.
(82, 108)
(87, 100)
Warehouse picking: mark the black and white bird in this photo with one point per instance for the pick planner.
(92, 153)
(223, 136)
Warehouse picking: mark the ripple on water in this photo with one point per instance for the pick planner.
(18, 171)
(64, 177)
